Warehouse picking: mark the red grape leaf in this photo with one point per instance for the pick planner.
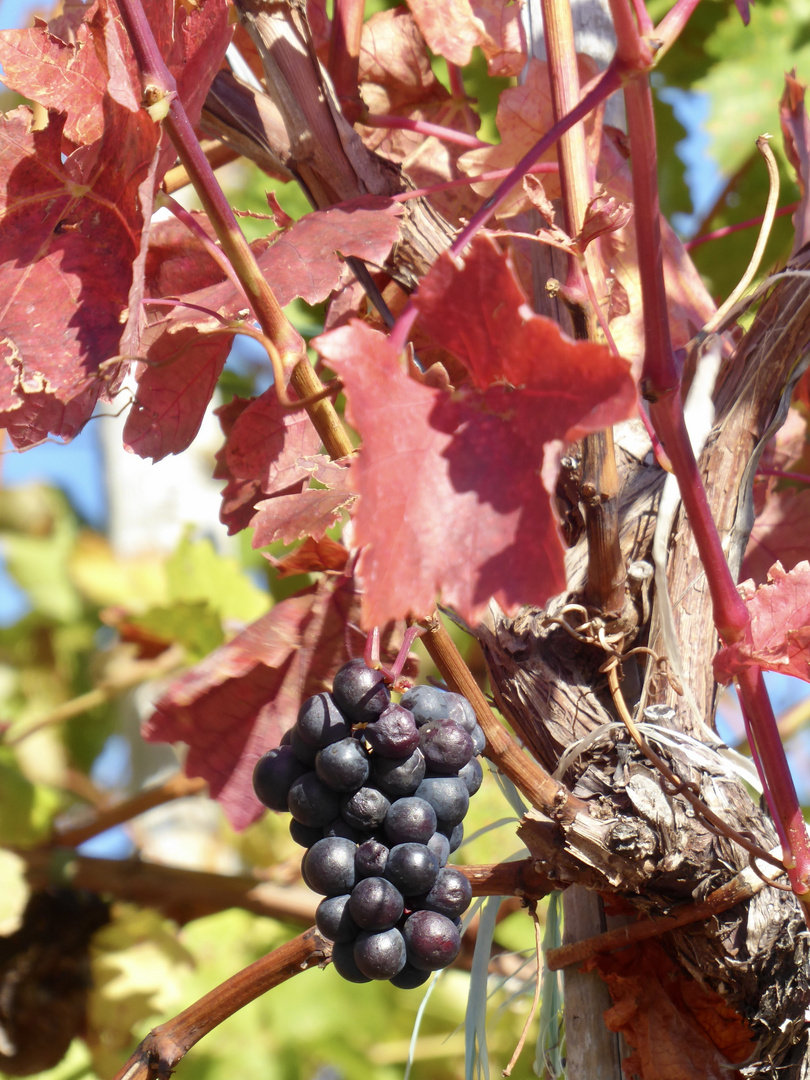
(70, 77)
(524, 115)
(266, 442)
(578, 386)
(237, 703)
(450, 28)
(74, 76)
(504, 44)
(289, 516)
(185, 352)
(397, 80)
(796, 133)
(689, 304)
(779, 636)
(271, 451)
(175, 387)
(74, 221)
(311, 557)
(779, 534)
(70, 231)
(451, 498)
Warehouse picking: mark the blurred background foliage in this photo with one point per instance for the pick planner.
(91, 631)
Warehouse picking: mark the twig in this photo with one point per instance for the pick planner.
(218, 154)
(741, 888)
(178, 786)
(519, 878)
(164, 1047)
(138, 672)
(181, 894)
(160, 92)
(764, 233)
(538, 945)
(540, 789)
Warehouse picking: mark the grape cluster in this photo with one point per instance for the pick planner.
(378, 792)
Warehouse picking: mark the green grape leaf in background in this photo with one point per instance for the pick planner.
(27, 810)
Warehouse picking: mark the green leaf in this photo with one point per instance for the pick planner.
(196, 573)
(37, 549)
(26, 809)
(193, 625)
(741, 69)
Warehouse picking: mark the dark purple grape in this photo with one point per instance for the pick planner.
(339, 827)
(440, 846)
(343, 766)
(328, 866)
(302, 750)
(376, 904)
(311, 802)
(334, 919)
(448, 796)
(344, 963)
(398, 777)
(413, 868)
(380, 956)
(371, 857)
(450, 895)
(304, 835)
(285, 738)
(274, 775)
(446, 746)
(409, 978)
(426, 703)
(409, 820)
(455, 836)
(366, 809)
(479, 740)
(432, 940)
(473, 776)
(360, 692)
(320, 722)
(432, 703)
(393, 734)
(460, 710)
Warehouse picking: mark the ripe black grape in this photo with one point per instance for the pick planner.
(334, 919)
(320, 722)
(432, 940)
(304, 835)
(311, 802)
(360, 692)
(393, 734)
(375, 904)
(410, 977)
(413, 868)
(343, 765)
(274, 775)
(366, 809)
(344, 963)
(450, 895)
(447, 746)
(440, 846)
(473, 776)
(328, 866)
(371, 857)
(380, 956)
(409, 820)
(398, 777)
(448, 796)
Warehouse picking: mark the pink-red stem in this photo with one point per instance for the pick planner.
(661, 385)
